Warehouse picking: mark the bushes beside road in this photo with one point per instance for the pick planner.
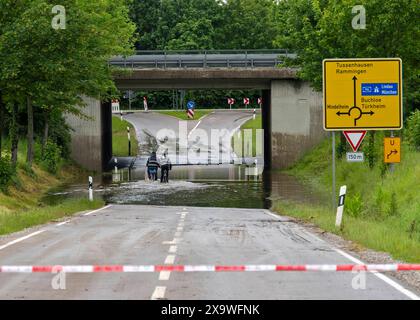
(23, 187)
(382, 209)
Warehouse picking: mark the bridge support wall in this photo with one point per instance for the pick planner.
(296, 121)
(91, 144)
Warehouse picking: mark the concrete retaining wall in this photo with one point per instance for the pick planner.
(296, 121)
(90, 137)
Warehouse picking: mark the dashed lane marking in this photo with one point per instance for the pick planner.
(170, 259)
(159, 293)
(164, 275)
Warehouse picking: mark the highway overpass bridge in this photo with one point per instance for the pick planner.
(292, 111)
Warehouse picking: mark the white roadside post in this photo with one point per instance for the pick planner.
(129, 141)
(90, 189)
(116, 165)
(340, 207)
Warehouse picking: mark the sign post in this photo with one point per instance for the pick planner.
(392, 150)
(115, 105)
(190, 109)
(145, 104)
(362, 94)
(246, 102)
(231, 102)
(355, 138)
(260, 101)
(333, 170)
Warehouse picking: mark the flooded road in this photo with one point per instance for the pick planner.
(201, 186)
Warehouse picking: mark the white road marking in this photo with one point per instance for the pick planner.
(199, 122)
(180, 229)
(21, 239)
(174, 241)
(381, 276)
(41, 231)
(170, 259)
(89, 213)
(172, 249)
(62, 223)
(159, 293)
(177, 234)
(164, 275)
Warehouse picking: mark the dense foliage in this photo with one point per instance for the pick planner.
(314, 29)
(45, 69)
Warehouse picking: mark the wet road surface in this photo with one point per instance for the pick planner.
(188, 142)
(155, 235)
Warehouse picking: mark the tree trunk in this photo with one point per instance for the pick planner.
(14, 137)
(30, 150)
(46, 129)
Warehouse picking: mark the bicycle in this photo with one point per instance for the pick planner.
(165, 178)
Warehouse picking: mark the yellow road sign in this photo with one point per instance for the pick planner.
(392, 150)
(362, 94)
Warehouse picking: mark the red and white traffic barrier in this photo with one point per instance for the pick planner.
(208, 268)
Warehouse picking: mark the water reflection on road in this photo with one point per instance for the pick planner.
(215, 186)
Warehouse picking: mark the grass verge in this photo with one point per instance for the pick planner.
(182, 114)
(120, 138)
(253, 125)
(23, 219)
(382, 209)
(21, 204)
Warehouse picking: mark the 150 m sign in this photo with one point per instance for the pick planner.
(362, 94)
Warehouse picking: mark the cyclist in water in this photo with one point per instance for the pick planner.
(165, 165)
(152, 167)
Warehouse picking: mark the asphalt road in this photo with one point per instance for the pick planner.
(151, 235)
(199, 151)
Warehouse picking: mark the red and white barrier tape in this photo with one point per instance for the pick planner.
(208, 268)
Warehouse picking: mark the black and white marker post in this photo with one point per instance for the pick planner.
(129, 141)
(340, 208)
(90, 189)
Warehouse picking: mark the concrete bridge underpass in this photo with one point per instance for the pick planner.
(292, 111)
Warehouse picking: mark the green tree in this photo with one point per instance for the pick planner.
(248, 24)
(317, 29)
(49, 68)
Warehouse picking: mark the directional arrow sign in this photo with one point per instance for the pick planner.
(364, 94)
(354, 138)
(392, 150)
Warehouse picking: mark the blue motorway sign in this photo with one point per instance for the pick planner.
(191, 105)
(379, 89)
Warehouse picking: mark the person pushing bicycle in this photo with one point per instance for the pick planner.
(152, 167)
(165, 165)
